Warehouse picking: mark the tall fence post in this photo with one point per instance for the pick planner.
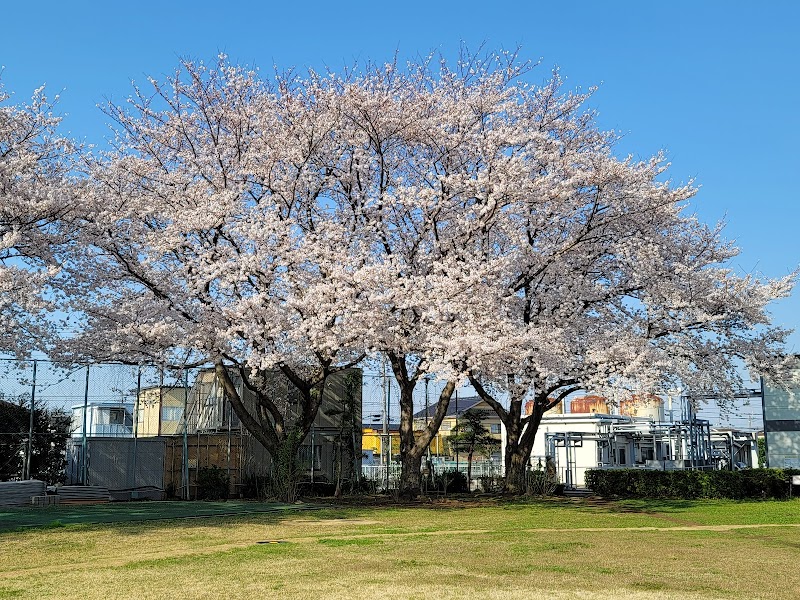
(136, 425)
(29, 452)
(185, 465)
(84, 450)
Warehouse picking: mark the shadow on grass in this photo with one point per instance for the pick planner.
(136, 517)
(130, 515)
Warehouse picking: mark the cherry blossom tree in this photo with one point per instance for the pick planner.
(452, 219)
(207, 242)
(430, 174)
(35, 194)
(611, 287)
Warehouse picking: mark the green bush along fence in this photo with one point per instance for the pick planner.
(736, 485)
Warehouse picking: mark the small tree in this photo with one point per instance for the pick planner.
(345, 438)
(51, 430)
(762, 452)
(470, 435)
(15, 422)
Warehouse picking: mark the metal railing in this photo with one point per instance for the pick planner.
(379, 474)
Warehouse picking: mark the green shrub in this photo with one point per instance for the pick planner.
(539, 482)
(765, 483)
(724, 484)
(319, 488)
(452, 482)
(646, 483)
(212, 484)
(171, 491)
(255, 486)
(490, 483)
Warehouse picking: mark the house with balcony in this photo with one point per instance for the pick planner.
(103, 419)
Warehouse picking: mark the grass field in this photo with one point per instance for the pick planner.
(551, 549)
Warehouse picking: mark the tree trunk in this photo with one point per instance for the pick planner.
(410, 475)
(519, 445)
(410, 456)
(413, 445)
(521, 430)
(516, 463)
(514, 457)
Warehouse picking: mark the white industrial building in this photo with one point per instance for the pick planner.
(782, 422)
(575, 442)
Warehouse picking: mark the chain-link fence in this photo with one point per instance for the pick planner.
(93, 424)
(143, 430)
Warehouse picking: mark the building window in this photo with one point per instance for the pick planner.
(171, 413)
(446, 426)
(116, 416)
(494, 428)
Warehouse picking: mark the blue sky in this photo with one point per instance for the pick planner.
(713, 83)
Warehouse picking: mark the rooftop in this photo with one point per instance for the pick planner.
(463, 405)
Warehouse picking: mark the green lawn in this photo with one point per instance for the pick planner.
(551, 549)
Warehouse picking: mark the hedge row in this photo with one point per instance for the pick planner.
(645, 483)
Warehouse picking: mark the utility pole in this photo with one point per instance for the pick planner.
(29, 453)
(312, 459)
(427, 410)
(386, 428)
(456, 426)
(383, 413)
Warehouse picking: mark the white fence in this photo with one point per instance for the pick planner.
(380, 473)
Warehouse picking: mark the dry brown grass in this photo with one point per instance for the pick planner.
(549, 550)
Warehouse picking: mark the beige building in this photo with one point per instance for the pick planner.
(159, 411)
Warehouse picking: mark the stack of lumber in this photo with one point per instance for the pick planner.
(19, 493)
(82, 494)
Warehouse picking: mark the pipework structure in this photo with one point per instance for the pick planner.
(577, 442)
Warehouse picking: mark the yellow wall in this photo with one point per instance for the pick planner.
(371, 440)
(150, 405)
(371, 436)
(440, 446)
